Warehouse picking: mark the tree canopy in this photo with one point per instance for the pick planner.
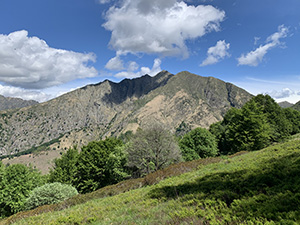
(16, 183)
(198, 143)
(65, 167)
(100, 163)
(152, 149)
(258, 123)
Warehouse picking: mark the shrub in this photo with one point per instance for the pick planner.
(198, 143)
(50, 193)
(16, 183)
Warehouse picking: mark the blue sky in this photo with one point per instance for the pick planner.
(49, 47)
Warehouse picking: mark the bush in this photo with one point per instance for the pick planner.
(16, 183)
(198, 143)
(50, 193)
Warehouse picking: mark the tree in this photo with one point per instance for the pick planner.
(198, 143)
(50, 193)
(65, 167)
(252, 127)
(16, 183)
(100, 163)
(294, 118)
(152, 149)
(249, 129)
(276, 117)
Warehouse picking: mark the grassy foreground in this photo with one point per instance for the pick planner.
(261, 187)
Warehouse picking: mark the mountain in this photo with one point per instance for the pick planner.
(285, 104)
(14, 103)
(109, 108)
(296, 106)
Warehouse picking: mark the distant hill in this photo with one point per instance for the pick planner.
(109, 108)
(285, 104)
(296, 106)
(14, 103)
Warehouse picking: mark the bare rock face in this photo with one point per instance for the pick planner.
(109, 108)
(285, 104)
(14, 103)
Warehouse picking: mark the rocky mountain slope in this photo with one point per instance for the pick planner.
(285, 104)
(296, 106)
(109, 108)
(14, 103)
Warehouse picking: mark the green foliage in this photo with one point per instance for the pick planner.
(16, 183)
(65, 167)
(198, 143)
(125, 137)
(256, 125)
(100, 163)
(294, 118)
(50, 193)
(182, 129)
(279, 123)
(260, 187)
(152, 149)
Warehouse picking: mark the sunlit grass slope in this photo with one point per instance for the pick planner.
(261, 187)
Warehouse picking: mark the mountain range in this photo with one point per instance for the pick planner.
(14, 103)
(107, 108)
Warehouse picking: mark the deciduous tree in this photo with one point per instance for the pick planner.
(100, 163)
(152, 149)
(198, 143)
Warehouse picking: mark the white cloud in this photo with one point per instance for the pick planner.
(28, 62)
(115, 63)
(16, 92)
(104, 1)
(284, 93)
(256, 39)
(255, 57)
(133, 70)
(216, 53)
(159, 27)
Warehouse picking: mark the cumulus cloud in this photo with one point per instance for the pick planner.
(28, 62)
(134, 70)
(115, 63)
(159, 27)
(17, 92)
(216, 53)
(284, 93)
(255, 57)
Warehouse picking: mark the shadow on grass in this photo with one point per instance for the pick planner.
(270, 191)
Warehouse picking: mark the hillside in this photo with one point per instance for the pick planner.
(109, 108)
(259, 187)
(285, 104)
(296, 106)
(14, 103)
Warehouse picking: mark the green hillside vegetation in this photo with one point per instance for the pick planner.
(260, 122)
(260, 187)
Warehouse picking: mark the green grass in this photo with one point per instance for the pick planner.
(261, 187)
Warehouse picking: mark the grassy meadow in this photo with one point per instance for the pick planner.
(261, 187)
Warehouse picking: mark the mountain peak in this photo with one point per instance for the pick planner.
(108, 108)
(136, 87)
